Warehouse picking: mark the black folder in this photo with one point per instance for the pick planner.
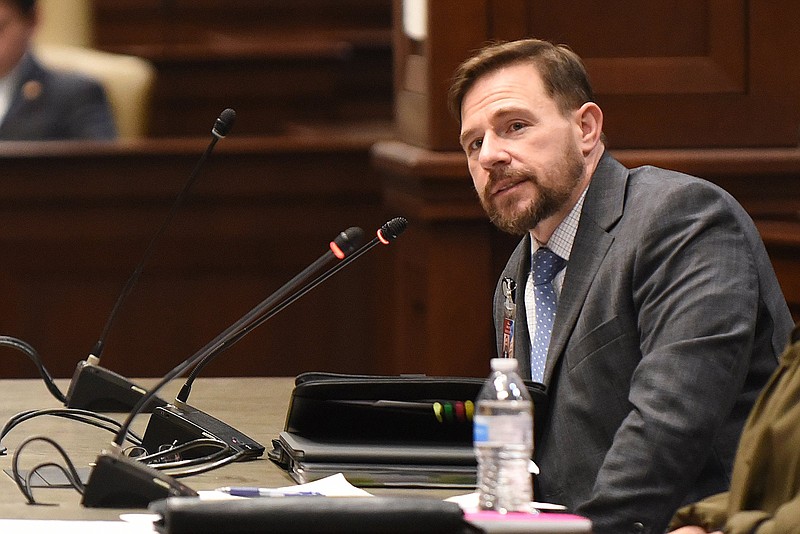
(407, 430)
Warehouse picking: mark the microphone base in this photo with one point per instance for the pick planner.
(100, 390)
(117, 481)
(174, 425)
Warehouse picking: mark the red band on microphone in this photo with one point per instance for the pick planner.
(337, 251)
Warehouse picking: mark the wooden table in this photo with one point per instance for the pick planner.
(255, 406)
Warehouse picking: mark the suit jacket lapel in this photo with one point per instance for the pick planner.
(29, 71)
(602, 208)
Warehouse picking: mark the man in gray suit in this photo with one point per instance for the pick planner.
(669, 318)
(41, 104)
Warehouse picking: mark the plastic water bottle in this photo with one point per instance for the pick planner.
(503, 440)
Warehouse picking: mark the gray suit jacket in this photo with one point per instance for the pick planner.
(51, 105)
(669, 322)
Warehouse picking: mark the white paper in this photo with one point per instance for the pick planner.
(331, 486)
(469, 503)
(42, 526)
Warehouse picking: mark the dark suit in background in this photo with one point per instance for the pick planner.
(669, 322)
(52, 105)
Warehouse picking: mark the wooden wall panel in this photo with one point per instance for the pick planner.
(422, 69)
(667, 73)
(277, 62)
(683, 73)
(77, 218)
(147, 23)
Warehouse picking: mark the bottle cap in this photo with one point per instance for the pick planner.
(504, 364)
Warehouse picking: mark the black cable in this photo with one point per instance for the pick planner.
(24, 483)
(180, 464)
(18, 344)
(76, 414)
(152, 458)
(179, 469)
(203, 469)
(84, 416)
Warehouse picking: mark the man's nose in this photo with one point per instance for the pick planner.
(492, 151)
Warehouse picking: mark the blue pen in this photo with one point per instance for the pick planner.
(266, 492)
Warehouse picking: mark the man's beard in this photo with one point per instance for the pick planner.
(566, 176)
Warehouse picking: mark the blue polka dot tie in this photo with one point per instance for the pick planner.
(545, 266)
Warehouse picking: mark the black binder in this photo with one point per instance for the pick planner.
(376, 464)
(321, 515)
(407, 430)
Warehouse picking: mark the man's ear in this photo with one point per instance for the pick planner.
(590, 119)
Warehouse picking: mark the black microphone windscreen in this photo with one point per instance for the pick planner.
(391, 230)
(349, 240)
(224, 123)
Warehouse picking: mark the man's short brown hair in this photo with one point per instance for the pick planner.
(562, 71)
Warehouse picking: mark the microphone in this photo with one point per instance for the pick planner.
(179, 422)
(96, 388)
(117, 481)
(387, 233)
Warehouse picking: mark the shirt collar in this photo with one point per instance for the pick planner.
(564, 235)
(8, 84)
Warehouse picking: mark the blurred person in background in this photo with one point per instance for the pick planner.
(37, 103)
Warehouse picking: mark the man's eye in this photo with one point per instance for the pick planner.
(475, 145)
(517, 126)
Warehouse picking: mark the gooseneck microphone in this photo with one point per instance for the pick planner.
(387, 233)
(180, 423)
(96, 388)
(117, 481)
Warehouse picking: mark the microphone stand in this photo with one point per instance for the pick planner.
(98, 389)
(180, 422)
(118, 481)
(387, 233)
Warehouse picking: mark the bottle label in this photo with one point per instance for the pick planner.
(502, 429)
(480, 430)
